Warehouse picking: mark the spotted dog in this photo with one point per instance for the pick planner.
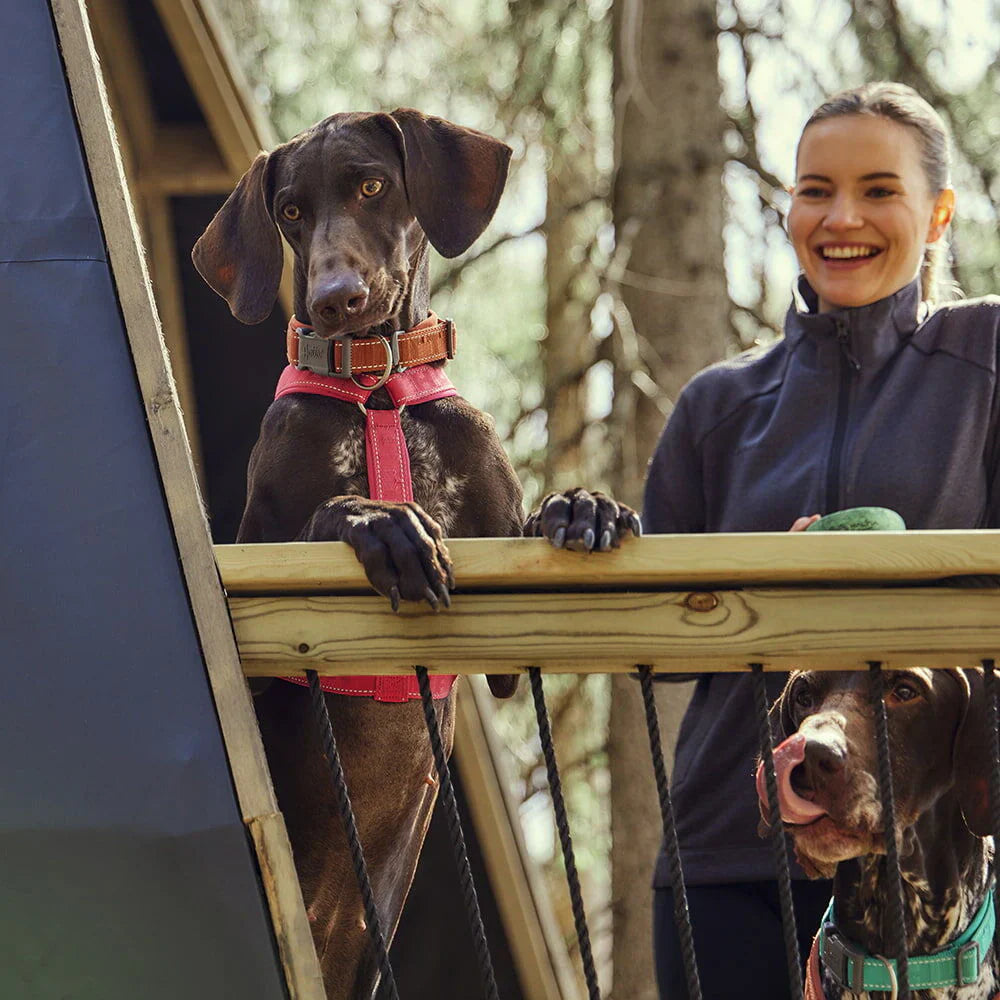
(827, 773)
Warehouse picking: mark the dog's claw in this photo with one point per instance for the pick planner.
(444, 596)
(605, 540)
(394, 598)
(588, 539)
(432, 598)
(635, 524)
(559, 538)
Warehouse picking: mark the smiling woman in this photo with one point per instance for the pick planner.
(876, 396)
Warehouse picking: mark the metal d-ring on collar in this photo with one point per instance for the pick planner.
(391, 346)
(316, 354)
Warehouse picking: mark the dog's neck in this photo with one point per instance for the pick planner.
(945, 872)
(413, 307)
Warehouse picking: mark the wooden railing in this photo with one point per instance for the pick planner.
(676, 602)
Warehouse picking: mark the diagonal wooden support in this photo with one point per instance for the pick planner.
(236, 717)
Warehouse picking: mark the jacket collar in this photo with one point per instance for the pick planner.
(870, 333)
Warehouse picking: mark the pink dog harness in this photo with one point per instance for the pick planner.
(387, 459)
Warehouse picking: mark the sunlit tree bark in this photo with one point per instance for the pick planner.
(672, 320)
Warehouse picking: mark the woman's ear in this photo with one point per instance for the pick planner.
(944, 209)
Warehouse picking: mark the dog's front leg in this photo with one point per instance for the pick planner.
(581, 520)
(400, 546)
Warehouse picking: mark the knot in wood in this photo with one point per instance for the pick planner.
(701, 601)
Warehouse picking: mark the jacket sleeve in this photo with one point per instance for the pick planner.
(993, 445)
(674, 501)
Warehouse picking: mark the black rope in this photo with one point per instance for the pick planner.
(682, 917)
(896, 914)
(990, 692)
(469, 897)
(788, 926)
(562, 824)
(388, 982)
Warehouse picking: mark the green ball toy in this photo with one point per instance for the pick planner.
(860, 519)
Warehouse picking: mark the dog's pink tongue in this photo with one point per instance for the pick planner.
(794, 808)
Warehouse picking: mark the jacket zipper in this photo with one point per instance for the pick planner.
(849, 365)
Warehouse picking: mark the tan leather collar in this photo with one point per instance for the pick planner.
(431, 340)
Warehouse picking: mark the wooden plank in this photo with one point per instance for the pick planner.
(169, 298)
(613, 631)
(281, 886)
(185, 161)
(662, 561)
(232, 700)
(127, 79)
(544, 971)
(212, 80)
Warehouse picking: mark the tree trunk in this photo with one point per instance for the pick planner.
(672, 320)
(668, 211)
(569, 349)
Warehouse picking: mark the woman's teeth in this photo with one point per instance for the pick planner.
(847, 253)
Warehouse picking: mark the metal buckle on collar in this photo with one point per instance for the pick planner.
(836, 952)
(960, 977)
(449, 338)
(316, 354)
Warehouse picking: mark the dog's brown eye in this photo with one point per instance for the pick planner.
(371, 187)
(292, 212)
(803, 697)
(904, 691)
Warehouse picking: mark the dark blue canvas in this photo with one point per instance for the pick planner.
(125, 869)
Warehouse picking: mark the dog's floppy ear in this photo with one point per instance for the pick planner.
(973, 753)
(239, 254)
(454, 178)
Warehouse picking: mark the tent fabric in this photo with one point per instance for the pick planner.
(125, 867)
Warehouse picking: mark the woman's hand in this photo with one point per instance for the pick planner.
(801, 523)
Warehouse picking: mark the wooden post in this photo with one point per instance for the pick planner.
(239, 727)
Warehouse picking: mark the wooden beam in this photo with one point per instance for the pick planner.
(185, 161)
(611, 632)
(135, 296)
(660, 561)
(126, 74)
(169, 298)
(216, 82)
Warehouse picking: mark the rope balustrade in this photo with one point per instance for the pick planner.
(897, 908)
(447, 791)
(387, 985)
(682, 916)
(777, 834)
(990, 693)
(703, 631)
(565, 840)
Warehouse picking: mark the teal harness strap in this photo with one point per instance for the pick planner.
(956, 965)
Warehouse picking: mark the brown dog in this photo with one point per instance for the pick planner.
(828, 792)
(358, 197)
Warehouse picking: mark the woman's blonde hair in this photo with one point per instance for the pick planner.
(902, 104)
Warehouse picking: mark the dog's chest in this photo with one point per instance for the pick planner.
(435, 487)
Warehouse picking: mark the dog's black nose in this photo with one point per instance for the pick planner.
(827, 757)
(339, 298)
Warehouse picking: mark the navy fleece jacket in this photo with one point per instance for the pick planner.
(880, 405)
